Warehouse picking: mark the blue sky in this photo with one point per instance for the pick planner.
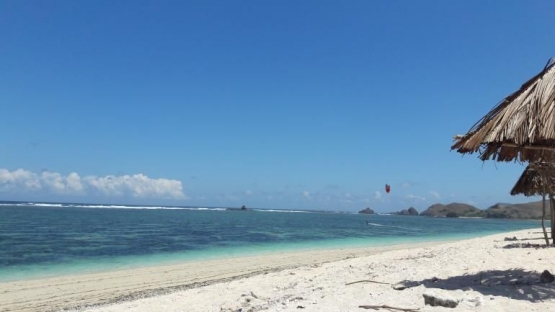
(277, 104)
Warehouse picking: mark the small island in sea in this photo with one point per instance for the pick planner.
(243, 208)
(367, 210)
(408, 212)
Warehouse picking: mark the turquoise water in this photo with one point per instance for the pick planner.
(41, 240)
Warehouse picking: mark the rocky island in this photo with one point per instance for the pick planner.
(367, 211)
(407, 212)
(243, 208)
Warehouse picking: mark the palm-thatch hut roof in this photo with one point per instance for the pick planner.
(537, 179)
(521, 127)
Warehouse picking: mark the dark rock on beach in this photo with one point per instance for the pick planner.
(436, 298)
(547, 277)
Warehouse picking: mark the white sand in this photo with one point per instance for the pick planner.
(314, 281)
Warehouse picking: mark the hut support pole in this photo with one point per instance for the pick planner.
(552, 212)
(543, 220)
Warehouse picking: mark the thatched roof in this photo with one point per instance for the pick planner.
(521, 127)
(537, 179)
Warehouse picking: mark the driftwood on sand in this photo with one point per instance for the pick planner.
(377, 307)
(367, 281)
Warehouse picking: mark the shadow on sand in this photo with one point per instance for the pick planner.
(516, 284)
(526, 245)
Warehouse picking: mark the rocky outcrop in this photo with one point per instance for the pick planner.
(367, 211)
(243, 208)
(408, 212)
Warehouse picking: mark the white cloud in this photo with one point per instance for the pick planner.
(346, 201)
(248, 193)
(365, 200)
(377, 195)
(74, 182)
(19, 178)
(405, 184)
(414, 197)
(138, 185)
(306, 194)
(232, 197)
(435, 194)
(54, 181)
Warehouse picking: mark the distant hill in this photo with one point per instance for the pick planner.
(453, 209)
(531, 210)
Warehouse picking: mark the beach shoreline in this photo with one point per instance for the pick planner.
(194, 282)
(187, 275)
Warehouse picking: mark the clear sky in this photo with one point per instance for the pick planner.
(276, 104)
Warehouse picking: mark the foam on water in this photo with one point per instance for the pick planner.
(100, 206)
(277, 210)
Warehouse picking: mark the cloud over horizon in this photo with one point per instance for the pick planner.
(137, 185)
(435, 194)
(415, 197)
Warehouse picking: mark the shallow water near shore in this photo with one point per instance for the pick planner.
(51, 240)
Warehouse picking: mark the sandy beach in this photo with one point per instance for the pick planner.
(480, 274)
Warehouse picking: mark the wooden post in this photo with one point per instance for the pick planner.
(552, 211)
(543, 220)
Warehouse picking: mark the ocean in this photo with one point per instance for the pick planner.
(43, 239)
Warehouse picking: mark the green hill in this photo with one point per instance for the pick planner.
(531, 210)
(453, 209)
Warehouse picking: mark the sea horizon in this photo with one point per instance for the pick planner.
(159, 206)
